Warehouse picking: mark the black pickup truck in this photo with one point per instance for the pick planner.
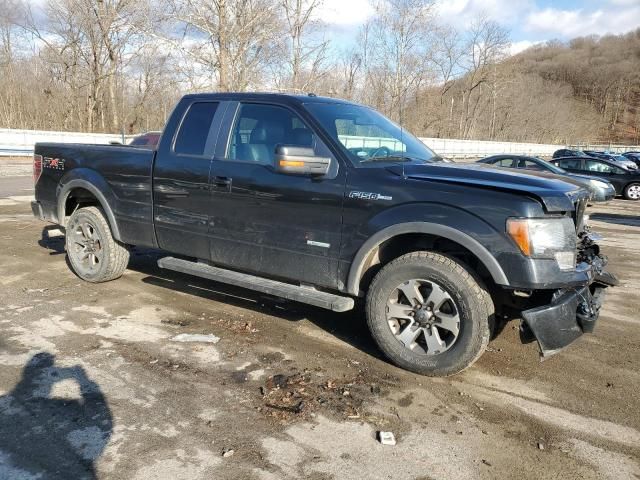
(323, 201)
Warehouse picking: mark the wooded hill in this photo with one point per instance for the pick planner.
(586, 90)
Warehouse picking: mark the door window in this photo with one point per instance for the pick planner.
(259, 129)
(194, 130)
(569, 163)
(530, 165)
(601, 167)
(504, 162)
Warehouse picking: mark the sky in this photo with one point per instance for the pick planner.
(529, 21)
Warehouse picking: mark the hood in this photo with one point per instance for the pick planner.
(555, 194)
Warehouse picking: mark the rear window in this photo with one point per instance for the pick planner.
(193, 133)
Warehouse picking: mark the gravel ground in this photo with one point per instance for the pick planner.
(15, 166)
(108, 381)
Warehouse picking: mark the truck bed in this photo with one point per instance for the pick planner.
(121, 174)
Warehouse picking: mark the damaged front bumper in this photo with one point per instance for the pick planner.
(571, 312)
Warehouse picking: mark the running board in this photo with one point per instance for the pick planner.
(306, 295)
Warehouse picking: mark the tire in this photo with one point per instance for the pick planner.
(632, 191)
(438, 277)
(94, 255)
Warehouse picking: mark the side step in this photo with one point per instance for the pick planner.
(306, 295)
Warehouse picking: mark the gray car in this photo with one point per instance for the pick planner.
(601, 189)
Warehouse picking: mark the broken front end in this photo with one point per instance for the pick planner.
(572, 311)
(568, 291)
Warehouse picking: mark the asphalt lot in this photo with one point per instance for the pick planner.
(96, 384)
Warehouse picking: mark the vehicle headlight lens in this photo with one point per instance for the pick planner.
(546, 238)
(598, 183)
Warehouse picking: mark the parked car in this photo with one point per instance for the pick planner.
(619, 159)
(626, 182)
(567, 152)
(275, 193)
(146, 140)
(633, 156)
(600, 188)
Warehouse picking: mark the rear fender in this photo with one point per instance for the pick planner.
(93, 182)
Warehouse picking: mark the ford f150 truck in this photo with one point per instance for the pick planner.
(323, 201)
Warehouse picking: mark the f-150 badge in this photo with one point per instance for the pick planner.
(369, 196)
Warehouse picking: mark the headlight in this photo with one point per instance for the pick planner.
(599, 183)
(546, 238)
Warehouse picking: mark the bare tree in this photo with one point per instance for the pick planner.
(398, 51)
(231, 40)
(487, 44)
(307, 55)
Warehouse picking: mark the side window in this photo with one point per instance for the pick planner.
(260, 128)
(194, 130)
(600, 167)
(530, 165)
(504, 162)
(569, 164)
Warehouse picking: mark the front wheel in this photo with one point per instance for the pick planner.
(632, 191)
(429, 314)
(93, 253)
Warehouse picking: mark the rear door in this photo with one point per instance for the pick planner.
(268, 222)
(181, 194)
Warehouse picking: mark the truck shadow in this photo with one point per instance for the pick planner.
(52, 438)
(349, 327)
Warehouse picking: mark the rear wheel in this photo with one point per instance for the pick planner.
(93, 253)
(429, 314)
(632, 191)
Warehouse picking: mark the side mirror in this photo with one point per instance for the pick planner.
(300, 161)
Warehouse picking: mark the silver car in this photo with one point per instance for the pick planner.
(602, 190)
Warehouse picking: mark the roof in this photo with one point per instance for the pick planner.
(286, 98)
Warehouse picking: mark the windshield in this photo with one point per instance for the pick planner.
(369, 136)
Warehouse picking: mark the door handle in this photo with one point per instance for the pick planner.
(222, 182)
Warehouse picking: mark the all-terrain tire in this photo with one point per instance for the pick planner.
(471, 298)
(114, 255)
(632, 191)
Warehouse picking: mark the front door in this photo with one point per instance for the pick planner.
(276, 224)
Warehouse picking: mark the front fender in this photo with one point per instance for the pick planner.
(444, 221)
(96, 184)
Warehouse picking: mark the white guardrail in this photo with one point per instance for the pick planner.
(20, 143)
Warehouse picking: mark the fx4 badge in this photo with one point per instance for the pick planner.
(53, 163)
(369, 196)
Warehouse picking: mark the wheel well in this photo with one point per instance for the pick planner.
(411, 242)
(79, 197)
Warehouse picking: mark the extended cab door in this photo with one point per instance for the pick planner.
(182, 203)
(276, 224)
